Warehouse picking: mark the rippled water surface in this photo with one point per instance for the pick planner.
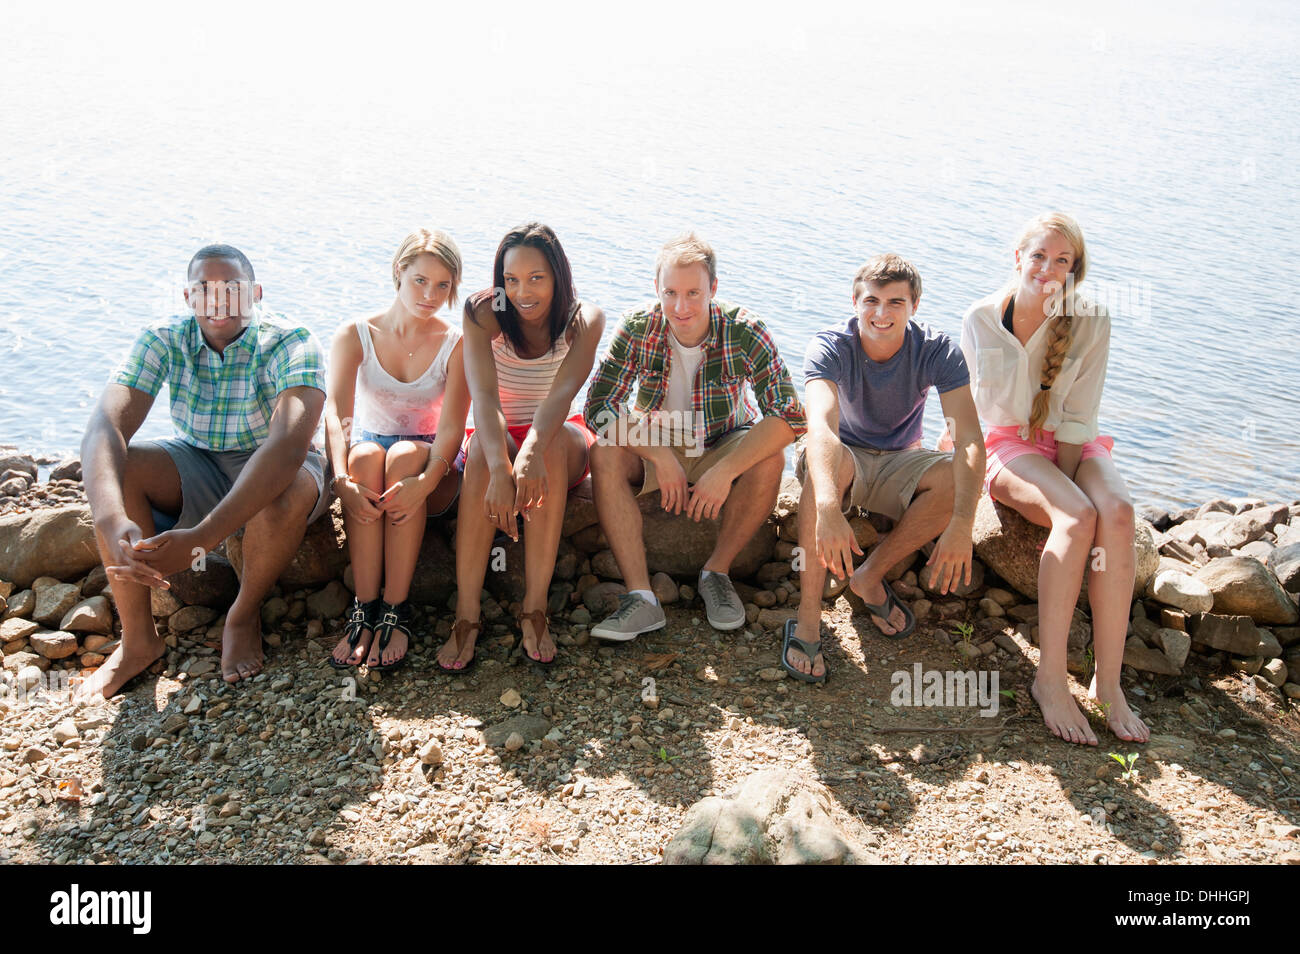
(798, 145)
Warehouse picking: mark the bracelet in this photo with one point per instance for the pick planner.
(334, 484)
(444, 464)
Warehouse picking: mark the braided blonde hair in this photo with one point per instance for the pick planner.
(1058, 345)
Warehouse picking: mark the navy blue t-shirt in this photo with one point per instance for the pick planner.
(882, 403)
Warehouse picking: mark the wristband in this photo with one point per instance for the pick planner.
(444, 464)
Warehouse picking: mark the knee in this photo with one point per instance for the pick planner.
(767, 471)
(295, 502)
(608, 461)
(1080, 518)
(474, 457)
(939, 480)
(1115, 513)
(404, 459)
(365, 458)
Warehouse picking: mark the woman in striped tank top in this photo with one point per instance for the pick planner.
(529, 347)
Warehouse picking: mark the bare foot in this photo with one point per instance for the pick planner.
(241, 648)
(116, 671)
(799, 660)
(873, 592)
(1120, 719)
(1062, 714)
(542, 650)
(458, 650)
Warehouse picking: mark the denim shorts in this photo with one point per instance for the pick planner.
(386, 441)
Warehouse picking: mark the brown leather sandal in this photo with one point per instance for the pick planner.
(461, 629)
(540, 622)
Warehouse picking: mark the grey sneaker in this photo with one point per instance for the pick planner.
(721, 604)
(633, 617)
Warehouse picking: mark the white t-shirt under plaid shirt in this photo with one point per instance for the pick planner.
(223, 402)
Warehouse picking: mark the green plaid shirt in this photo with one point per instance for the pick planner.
(737, 350)
(223, 402)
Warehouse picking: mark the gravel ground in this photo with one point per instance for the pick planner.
(514, 764)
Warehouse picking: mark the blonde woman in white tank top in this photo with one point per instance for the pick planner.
(529, 348)
(394, 422)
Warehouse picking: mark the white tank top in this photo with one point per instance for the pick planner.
(523, 383)
(385, 405)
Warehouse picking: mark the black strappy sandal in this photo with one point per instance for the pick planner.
(361, 618)
(391, 618)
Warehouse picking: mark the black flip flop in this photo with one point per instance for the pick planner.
(886, 608)
(788, 639)
(393, 617)
(361, 618)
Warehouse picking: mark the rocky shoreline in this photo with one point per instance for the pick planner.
(602, 758)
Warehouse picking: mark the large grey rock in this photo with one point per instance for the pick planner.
(1137, 655)
(580, 510)
(1236, 531)
(772, 817)
(54, 645)
(677, 545)
(189, 618)
(1175, 643)
(435, 569)
(21, 604)
(1285, 563)
(94, 615)
(1231, 634)
(330, 602)
(1181, 591)
(54, 602)
(12, 630)
(18, 462)
(1242, 586)
(67, 470)
(1011, 547)
(215, 584)
(321, 556)
(1270, 514)
(51, 541)
(602, 598)
(528, 726)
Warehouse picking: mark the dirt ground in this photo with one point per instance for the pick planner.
(291, 768)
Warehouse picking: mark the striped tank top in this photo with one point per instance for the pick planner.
(523, 383)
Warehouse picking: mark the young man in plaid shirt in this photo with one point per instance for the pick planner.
(246, 392)
(690, 433)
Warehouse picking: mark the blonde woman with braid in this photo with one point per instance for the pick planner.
(1037, 353)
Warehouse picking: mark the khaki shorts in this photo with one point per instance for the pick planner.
(207, 476)
(883, 481)
(695, 466)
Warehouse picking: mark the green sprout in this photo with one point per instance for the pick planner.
(1126, 761)
(1009, 693)
(665, 757)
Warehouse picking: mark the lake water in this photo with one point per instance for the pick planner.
(798, 145)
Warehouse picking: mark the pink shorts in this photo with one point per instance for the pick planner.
(519, 432)
(1002, 445)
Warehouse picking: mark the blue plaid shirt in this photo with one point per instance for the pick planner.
(223, 402)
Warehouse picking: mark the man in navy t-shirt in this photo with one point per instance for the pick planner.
(865, 385)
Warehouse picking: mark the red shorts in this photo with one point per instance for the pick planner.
(519, 432)
(1002, 445)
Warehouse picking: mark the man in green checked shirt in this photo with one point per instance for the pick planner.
(689, 433)
(246, 390)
